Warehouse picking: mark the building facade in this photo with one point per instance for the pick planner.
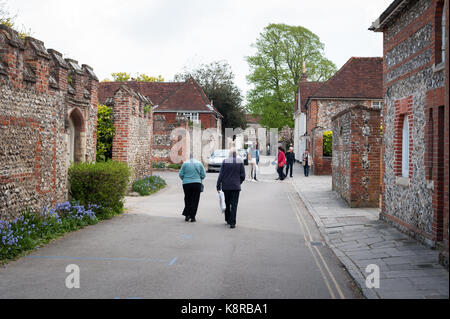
(415, 119)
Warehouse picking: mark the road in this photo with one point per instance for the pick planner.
(275, 251)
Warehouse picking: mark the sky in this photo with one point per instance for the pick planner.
(161, 37)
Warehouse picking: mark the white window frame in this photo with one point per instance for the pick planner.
(192, 116)
(405, 147)
(378, 104)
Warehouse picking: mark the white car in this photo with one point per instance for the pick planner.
(216, 159)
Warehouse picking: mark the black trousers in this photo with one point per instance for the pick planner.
(231, 202)
(191, 199)
(289, 166)
(281, 174)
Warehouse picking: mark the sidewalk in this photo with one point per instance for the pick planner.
(408, 269)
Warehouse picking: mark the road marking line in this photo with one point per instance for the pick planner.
(325, 279)
(173, 261)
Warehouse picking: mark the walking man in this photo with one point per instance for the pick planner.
(307, 162)
(290, 160)
(231, 176)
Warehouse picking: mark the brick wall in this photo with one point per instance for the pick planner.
(45, 120)
(167, 138)
(356, 156)
(132, 141)
(414, 84)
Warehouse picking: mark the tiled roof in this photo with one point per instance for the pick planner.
(307, 89)
(358, 78)
(168, 96)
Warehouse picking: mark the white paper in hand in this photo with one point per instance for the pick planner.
(222, 202)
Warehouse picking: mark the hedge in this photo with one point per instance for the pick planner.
(103, 183)
(328, 143)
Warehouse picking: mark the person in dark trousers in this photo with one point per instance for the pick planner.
(231, 176)
(281, 160)
(307, 162)
(290, 160)
(191, 173)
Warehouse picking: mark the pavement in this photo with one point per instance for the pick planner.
(275, 252)
(408, 269)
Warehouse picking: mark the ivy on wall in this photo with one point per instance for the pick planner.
(328, 143)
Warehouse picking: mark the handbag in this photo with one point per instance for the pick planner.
(202, 188)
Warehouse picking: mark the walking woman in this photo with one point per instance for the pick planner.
(281, 163)
(192, 173)
(307, 162)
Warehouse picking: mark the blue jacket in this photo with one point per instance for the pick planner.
(232, 174)
(192, 171)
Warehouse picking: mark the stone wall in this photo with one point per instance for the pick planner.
(48, 117)
(356, 156)
(170, 140)
(414, 84)
(132, 141)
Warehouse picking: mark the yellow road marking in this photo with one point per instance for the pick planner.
(325, 279)
(305, 225)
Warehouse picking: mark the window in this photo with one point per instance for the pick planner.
(405, 147)
(439, 33)
(377, 104)
(193, 117)
(443, 37)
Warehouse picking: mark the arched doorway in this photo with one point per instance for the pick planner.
(76, 127)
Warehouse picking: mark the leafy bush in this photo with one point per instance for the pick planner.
(159, 165)
(32, 230)
(148, 185)
(174, 166)
(103, 184)
(105, 133)
(328, 143)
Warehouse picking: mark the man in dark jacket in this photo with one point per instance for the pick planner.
(231, 176)
(290, 160)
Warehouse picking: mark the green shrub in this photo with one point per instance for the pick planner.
(103, 184)
(105, 133)
(159, 165)
(148, 185)
(174, 166)
(328, 143)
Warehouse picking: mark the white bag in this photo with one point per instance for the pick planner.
(222, 202)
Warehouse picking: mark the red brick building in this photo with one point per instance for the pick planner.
(172, 103)
(416, 119)
(358, 82)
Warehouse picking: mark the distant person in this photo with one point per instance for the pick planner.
(290, 160)
(307, 162)
(231, 176)
(191, 173)
(253, 160)
(281, 160)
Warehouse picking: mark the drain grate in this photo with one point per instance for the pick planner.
(316, 243)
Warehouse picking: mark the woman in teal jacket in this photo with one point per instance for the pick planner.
(191, 173)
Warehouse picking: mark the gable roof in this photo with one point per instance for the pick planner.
(358, 78)
(307, 89)
(167, 96)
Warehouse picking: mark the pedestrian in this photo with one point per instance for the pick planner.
(290, 160)
(281, 164)
(307, 162)
(192, 173)
(231, 176)
(253, 160)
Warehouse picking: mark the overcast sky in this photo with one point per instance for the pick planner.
(160, 37)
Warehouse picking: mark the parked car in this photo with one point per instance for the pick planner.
(243, 153)
(217, 157)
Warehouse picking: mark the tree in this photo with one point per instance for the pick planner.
(125, 77)
(105, 133)
(217, 81)
(276, 70)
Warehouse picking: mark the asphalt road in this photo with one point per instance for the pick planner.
(275, 251)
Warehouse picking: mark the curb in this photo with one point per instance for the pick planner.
(352, 269)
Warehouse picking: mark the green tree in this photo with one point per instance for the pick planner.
(145, 78)
(217, 81)
(276, 70)
(105, 133)
(121, 77)
(125, 77)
